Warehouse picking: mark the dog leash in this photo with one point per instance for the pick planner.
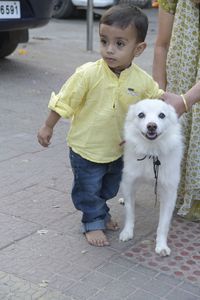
(156, 164)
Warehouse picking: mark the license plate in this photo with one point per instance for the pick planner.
(10, 10)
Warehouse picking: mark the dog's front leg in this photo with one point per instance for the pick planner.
(167, 204)
(127, 190)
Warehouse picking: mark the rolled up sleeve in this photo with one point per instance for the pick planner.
(64, 110)
(70, 97)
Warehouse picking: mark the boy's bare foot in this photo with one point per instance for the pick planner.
(97, 238)
(112, 225)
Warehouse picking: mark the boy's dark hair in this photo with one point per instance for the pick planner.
(123, 15)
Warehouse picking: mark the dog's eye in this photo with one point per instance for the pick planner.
(141, 115)
(161, 116)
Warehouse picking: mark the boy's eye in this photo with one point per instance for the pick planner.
(161, 115)
(120, 44)
(103, 41)
(141, 115)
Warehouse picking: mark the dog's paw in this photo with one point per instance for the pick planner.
(126, 235)
(163, 250)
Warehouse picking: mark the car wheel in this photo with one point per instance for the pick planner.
(139, 3)
(63, 9)
(7, 45)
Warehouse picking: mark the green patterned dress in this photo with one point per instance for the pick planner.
(183, 71)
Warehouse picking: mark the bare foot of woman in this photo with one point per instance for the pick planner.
(112, 225)
(97, 238)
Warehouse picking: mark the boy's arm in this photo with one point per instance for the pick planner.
(46, 131)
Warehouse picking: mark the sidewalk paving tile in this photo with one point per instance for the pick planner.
(184, 261)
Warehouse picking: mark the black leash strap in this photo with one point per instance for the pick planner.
(156, 164)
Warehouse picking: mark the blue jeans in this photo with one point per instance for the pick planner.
(94, 184)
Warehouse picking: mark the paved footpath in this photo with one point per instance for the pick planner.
(43, 255)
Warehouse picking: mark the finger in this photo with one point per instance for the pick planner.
(43, 142)
(46, 143)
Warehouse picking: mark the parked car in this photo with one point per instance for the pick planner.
(66, 8)
(17, 17)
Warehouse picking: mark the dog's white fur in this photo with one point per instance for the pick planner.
(152, 130)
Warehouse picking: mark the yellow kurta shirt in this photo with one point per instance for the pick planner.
(97, 102)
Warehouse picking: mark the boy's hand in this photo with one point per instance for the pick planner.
(46, 131)
(44, 135)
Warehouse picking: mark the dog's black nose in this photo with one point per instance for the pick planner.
(152, 126)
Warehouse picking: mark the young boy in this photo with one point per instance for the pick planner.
(97, 97)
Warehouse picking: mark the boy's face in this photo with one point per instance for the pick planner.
(119, 46)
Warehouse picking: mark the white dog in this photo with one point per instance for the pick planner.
(153, 149)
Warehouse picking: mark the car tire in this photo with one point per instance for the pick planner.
(7, 45)
(63, 9)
